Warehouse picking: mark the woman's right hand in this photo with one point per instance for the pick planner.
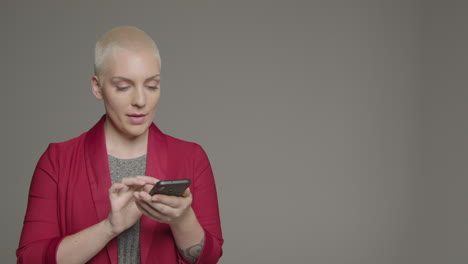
(124, 212)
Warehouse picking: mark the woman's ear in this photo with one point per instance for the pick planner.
(96, 87)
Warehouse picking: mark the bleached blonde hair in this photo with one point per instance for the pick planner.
(125, 37)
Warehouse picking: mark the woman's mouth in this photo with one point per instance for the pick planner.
(136, 119)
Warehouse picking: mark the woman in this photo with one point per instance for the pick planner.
(86, 202)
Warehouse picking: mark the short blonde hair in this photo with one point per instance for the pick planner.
(125, 37)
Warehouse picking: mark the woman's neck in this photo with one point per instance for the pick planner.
(123, 147)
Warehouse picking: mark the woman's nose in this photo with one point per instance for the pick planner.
(138, 98)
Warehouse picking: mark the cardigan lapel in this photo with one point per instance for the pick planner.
(156, 166)
(97, 167)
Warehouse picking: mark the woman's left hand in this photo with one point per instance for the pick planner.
(162, 208)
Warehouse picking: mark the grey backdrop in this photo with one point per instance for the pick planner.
(335, 129)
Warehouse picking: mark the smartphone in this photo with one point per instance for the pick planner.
(172, 187)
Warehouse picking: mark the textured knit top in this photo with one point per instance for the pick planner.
(129, 240)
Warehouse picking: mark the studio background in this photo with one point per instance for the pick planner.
(335, 129)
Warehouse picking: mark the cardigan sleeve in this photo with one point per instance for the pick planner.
(205, 206)
(41, 236)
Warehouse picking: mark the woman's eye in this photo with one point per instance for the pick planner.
(122, 87)
(152, 87)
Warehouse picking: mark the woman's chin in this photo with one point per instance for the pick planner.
(137, 131)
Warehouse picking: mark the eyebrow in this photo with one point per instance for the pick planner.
(120, 78)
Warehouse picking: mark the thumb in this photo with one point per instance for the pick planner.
(116, 188)
(187, 192)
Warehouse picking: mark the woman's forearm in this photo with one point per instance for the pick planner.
(189, 237)
(84, 245)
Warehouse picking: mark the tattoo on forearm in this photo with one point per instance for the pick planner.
(192, 253)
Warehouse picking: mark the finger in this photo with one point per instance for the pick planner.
(150, 182)
(187, 193)
(142, 196)
(116, 188)
(164, 210)
(145, 199)
(150, 212)
(144, 209)
(169, 200)
(145, 196)
(148, 187)
(133, 182)
(148, 179)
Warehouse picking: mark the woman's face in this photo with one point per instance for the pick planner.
(130, 89)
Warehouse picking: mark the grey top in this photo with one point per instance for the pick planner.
(129, 240)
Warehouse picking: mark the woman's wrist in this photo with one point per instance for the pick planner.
(108, 230)
(185, 222)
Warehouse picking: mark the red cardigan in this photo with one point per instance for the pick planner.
(69, 192)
